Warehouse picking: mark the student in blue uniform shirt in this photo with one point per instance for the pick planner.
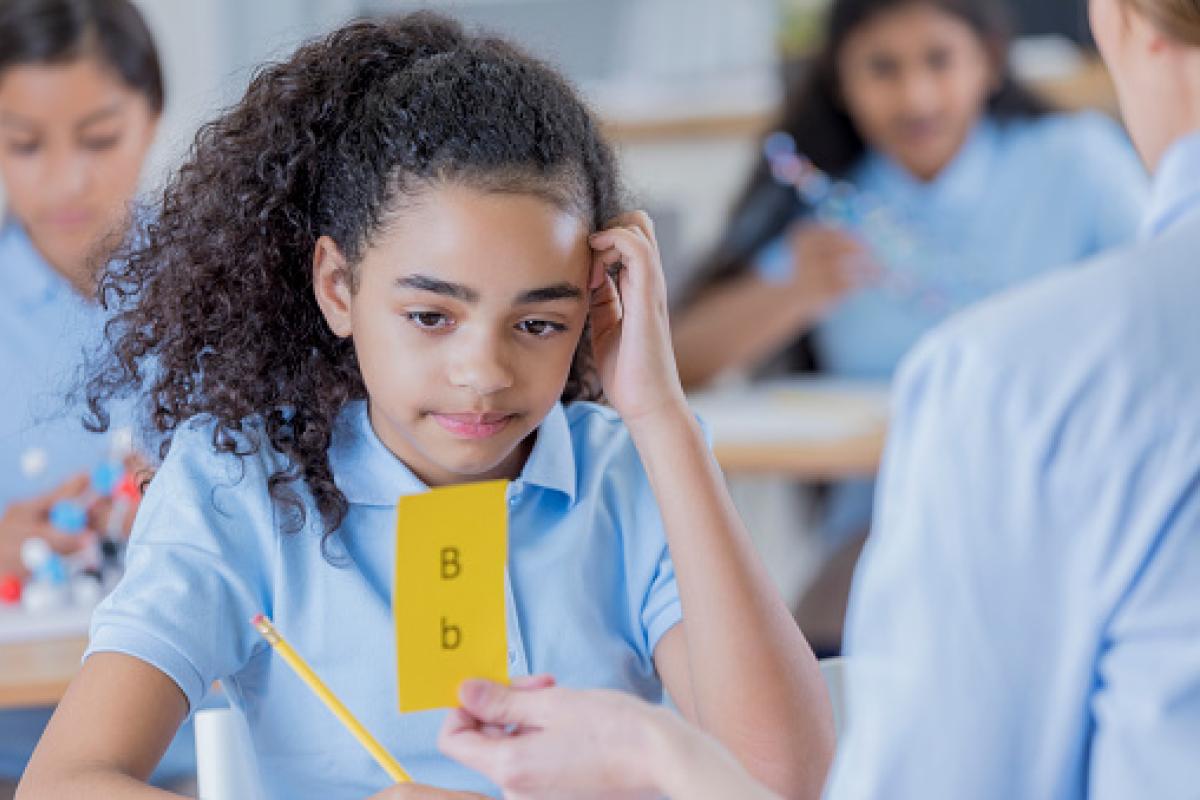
(80, 98)
(423, 281)
(979, 186)
(1026, 620)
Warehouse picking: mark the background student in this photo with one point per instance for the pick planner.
(979, 187)
(81, 93)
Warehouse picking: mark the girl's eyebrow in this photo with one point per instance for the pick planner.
(546, 294)
(424, 283)
(100, 115)
(458, 291)
(12, 120)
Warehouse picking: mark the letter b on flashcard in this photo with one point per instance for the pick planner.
(448, 598)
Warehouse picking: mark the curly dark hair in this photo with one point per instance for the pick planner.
(215, 312)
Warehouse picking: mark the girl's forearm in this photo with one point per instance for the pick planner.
(688, 764)
(737, 325)
(90, 783)
(755, 683)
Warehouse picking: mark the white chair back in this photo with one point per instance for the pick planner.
(225, 765)
(833, 670)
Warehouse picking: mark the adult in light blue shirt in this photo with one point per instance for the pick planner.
(1026, 619)
(591, 590)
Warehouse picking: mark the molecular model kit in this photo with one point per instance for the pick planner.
(58, 592)
(903, 247)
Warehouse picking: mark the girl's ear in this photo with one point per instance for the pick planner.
(331, 285)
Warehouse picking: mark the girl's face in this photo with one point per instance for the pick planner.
(465, 319)
(72, 141)
(915, 81)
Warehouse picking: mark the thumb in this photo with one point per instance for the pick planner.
(495, 704)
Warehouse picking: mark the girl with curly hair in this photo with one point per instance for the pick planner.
(401, 262)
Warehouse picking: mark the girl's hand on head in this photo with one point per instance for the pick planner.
(27, 519)
(631, 335)
(828, 265)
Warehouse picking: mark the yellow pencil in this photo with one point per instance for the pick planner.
(383, 757)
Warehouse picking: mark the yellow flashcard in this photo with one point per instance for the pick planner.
(448, 598)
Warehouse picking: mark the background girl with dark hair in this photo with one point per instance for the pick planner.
(911, 101)
(80, 98)
(914, 103)
(400, 262)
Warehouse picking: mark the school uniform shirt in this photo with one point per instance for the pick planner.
(590, 591)
(46, 329)
(1021, 198)
(1026, 618)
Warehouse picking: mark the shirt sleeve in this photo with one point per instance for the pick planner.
(195, 569)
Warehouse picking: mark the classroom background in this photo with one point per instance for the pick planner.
(686, 89)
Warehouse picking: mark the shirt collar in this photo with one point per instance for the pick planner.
(958, 183)
(1176, 191)
(368, 473)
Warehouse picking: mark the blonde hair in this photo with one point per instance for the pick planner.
(1177, 18)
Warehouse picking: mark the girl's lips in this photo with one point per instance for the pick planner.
(473, 426)
(68, 217)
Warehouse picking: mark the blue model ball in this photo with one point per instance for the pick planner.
(68, 517)
(106, 476)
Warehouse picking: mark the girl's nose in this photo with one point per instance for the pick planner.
(482, 367)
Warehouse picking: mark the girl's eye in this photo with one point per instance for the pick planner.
(939, 60)
(882, 67)
(540, 327)
(23, 148)
(429, 320)
(100, 143)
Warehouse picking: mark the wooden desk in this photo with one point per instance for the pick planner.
(809, 461)
(808, 430)
(36, 673)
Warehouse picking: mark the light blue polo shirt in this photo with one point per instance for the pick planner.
(46, 327)
(591, 590)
